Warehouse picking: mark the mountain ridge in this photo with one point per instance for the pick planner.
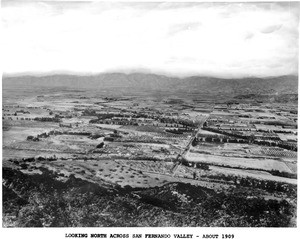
(279, 84)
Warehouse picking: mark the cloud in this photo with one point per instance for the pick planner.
(248, 36)
(270, 29)
(177, 28)
(221, 39)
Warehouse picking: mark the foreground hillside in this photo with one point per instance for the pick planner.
(42, 200)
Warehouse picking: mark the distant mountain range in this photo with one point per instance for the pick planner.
(136, 81)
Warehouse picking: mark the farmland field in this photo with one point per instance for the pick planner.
(266, 164)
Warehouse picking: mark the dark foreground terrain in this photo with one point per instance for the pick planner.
(42, 200)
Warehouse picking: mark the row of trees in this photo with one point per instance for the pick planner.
(48, 119)
(252, 139)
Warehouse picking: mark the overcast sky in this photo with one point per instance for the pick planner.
(218, 39)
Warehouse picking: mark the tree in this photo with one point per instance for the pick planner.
(99, 146)
(194, 142)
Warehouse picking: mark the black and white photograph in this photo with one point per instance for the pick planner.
(149, 114)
